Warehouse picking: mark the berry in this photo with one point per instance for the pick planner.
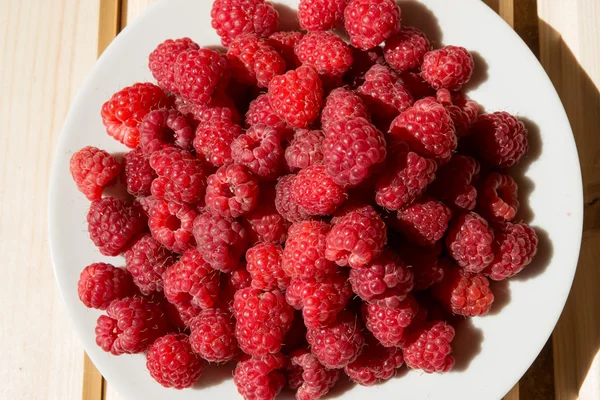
(100, 283)
(213, 335)
(424, 266)
(146, 261)
(262, 156)
(231, 18)
(326, 52)
(498, 198)
(284, 202)
(171, 225)
(260, 111)
(264, 223)
(123, 113)
(338, 344)
(304, 150)
(213, 139)
(130, 326)
(341, 104)
(137, 174)
(447, 68)
(405, 50)
(172, 363)
(376, 363)
(500, 138)
(314, 191)
(260, 378)
(92, 170)
(321, 15)
(161, 61)
(253, 61)
(387, 318)
(220, 106)
(230, 284)
(370, 22)
(363, 61)
(232, 191)
(453, 184)
(462, 110)
(314, 380)
(297, 96)
(429, 348)
(180, 316)
(416, 85)
(284, 43)
(200, 73)
(424, 222)
(264, 265)
(516, 245)
(162, 128)
(112, 223)
(385, 276)
(470, 241)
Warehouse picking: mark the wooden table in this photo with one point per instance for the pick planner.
(47, 48)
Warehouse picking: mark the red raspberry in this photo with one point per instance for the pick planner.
(296, 336)
(405, 50)
(162, 128)
(376, 363)
(100, 283)
(180, 316)
(181, 176)
(385, 276)
(284, 43)
(470, 241)
(220, 106)
(498, 198)
(326, 52)
(112, 223)
(260, 378)
(231, 18)
(342, 103)
(130, 326)
(370, 22)
(253, 61)
(321, 15)
(93, 170)
(263, 157)
(171, 225)
(213, 335)
(264, 223)
(314, 380)
(320, 301)
(137, 174)
(261, 112)
(162, 61)
(222, 241)
(338, 344)
(363, 61)
(501, 138)
(123, 113)
(230, 284)
(454, 181)
(424, 222)
(516, 245)
(388, 318)
(304, 150)
(297, 96)
(448, 68)
(424, 266)
(262, 320)
(428, 129)
(429, 348)
(232, 191)
(200, 73)
(146, 261)
(214, 137)
(416, 85)
(284, 202)
(463, 111)
(172, 363)
(264, 266)
(314, 191)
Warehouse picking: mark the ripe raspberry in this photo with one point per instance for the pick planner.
(304, 252)
(214, 137)
(448, 68)
(428, 129)
(326, 52)
(161, 61)
(146, 261)
(137, 174)
(388, 318)
(222, 241)
(130, 326)
(180, 316)
(232, 191)
(263, 157)
(341, 104)
(297, 96)
(112, 223)
(370, 22)
(264, 223)
(498, 198)
(213, 335)
(429, 348)
(296, 336)
(416, 85)
(264, 266)
(470, 241)
(424, 222)
(171, 225)
(100, 283)
(500, 138)
(284, 202)
(261, 112)
(516, 245)
(338, 344)
(320, 301)
(231, 18)
(172, 363)
(162, 128)
(220, 106)
(454, 183)
(200, 73)
(363, 61)
(463, 111)
(123, 113)
(284, 43)
(376, 363)
(424, 266)
(321, 15)
(385, 276)
(405, 50)
(146, 203)
(181, 176)
(314, 191)
(93, 170)
(304, 150)
(260, 378)
(314, 380)
(253, 61)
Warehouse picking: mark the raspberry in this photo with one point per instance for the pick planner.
(112, 223)
(262, 320)
(314, 191)
(424, 266)
(385, 276)
(376, 363)
(326, 52)
(429, 348)
(231, 18)
(264, 266)
(200, 73)
(146, 261)
(448, 68)
(320, 301)
(264, 223)
(304, 150)
(284, 43)
(181, 176)
(428, 129)
(230, 284)
(297, 96)
(171, 225)
(388, 318)
(161, 61)
(314, 379)
(516, 245)
(416, 85)
(123, 113)
(263, 157)
(470, 241)
(304, 252)
(424, 222)
(357, 236)
(498, 198)
(213, 335)
(370, 22)
(405, 180)
(501, 138)
(296, 336)
(146, 203)
(342, 103)
(93, 170)
(261, 112)
(232, 191)
(220, 106)
(130, 326)
(137, 174)
(405, 50)
(162, 128)
(260, 378)
(321, 15)
(284, 202)
(221, 240)
(338, 344)
(213, 139)
(172, 363)
(180, 316)
(463, 111)
(253, 61)
(100, 283)
(363, 61)
(454, 183)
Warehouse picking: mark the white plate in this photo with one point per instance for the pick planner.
(492, 352)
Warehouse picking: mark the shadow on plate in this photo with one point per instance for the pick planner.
(466, 344)
(215, 375)
(417, 14)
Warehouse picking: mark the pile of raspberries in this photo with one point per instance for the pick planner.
(301, 206)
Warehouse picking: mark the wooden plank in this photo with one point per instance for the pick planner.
(109, 23)
(93, 383)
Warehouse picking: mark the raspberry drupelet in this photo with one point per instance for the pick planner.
(370, 22)
(309, 377)
(172, 363)
(315, 192)
(231, 18)
(470, 242)
(232, 191)
(213, 335)
(447, 68)
(161, 61)
(100, 283)
(92, 170)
